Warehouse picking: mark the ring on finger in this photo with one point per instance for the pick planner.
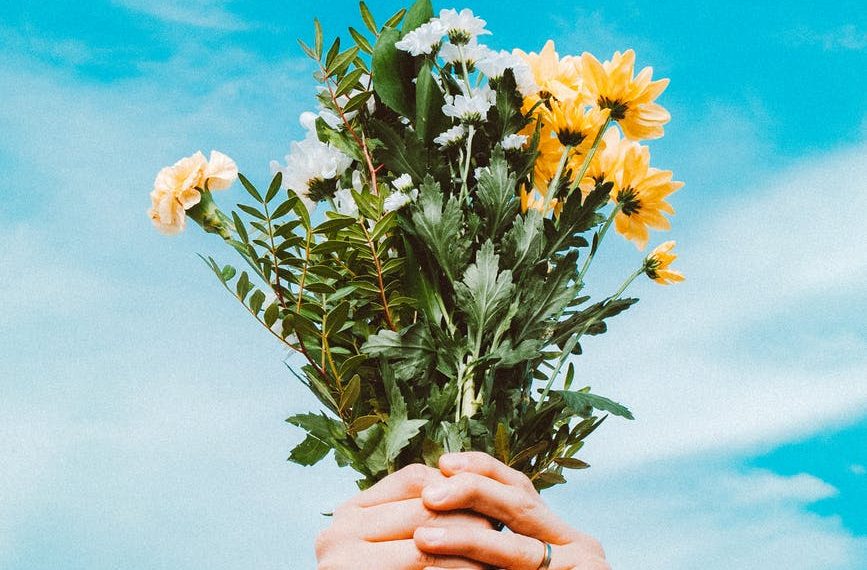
(546, 559)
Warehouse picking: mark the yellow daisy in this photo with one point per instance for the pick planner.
(554, 77)
(656, 265)
(535, 200)
(640, 191)
(573, 123)
(607, 161)
(630, 99)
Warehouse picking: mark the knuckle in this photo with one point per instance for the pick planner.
(524, 508)
(415, 473)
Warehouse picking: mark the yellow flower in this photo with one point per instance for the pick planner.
(573, 123)
(536, 201)
(607, 161)
(554, 77)
(656, 265)
(178, 188)
(612, 86)
(640, 192)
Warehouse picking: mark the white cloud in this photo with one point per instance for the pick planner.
(848, 37)
(857, 469)
(211, 14)
(685, 514)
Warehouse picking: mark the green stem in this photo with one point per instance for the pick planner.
(555, 182)
(465, 172)
(599, 237)
(570, 344)
(590, 154)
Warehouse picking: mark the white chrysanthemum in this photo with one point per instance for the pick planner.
(402, 182)
(462, 26)
(344, 203)
(310, 161)
(397, 200)
(470, 53)
(514, 142)
(424, 39)
(470, 108)
(497, 62)
(451, 137)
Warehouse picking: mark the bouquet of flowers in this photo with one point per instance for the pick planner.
(425, 247)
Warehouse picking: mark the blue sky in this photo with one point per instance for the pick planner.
(141, 415)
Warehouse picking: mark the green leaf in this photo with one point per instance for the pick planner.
(350, 393)
(429, 101)
(398, 434)
(274, 188)
(401, 154)
(335, 224)
(272, 312)
(307, 49)
(336, 317)
(252, 211)
(418, 14)
(395, 19)
(257, 299)
(240, 228)
(411, 351)
(317, 43)
(579, 402)
(248, 186)
(332, 53)
(522, 244)
(394, 72)
(360, 40)
(571, 463)
(243, 286)
(342, 61)
(484, 292)
(348, 83)
(367, 18)
(310, 451)
(227, 273)
(501, 443)
(439, 228)
(496, 195)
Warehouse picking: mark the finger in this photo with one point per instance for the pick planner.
(404, 484)
(405, 555)
(483, 464)
(521, 510)
(502, 550)
(398, 520)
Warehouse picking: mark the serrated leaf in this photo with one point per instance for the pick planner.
(496, 195)
(398, 434)
(310, 451)
(484, 292)
(579, 402)
(411, 351)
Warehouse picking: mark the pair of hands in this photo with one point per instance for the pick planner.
(422, 518)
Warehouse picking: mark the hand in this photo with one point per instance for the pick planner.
(479, 482)
(374, 530)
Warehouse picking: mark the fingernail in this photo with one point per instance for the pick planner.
(430, 535)
(436, 494)
(453, 462)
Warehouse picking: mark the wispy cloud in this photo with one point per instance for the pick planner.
(684, 514)
(845, 38)
(210, 14)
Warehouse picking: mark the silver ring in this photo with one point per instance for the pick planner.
(546, 561)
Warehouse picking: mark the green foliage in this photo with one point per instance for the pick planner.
(441, 326)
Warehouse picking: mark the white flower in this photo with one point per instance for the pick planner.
(451, 137)
(331, 119)
(357, 182)
(397, 200)
(344, 203)
(402, 182)
(462, 27)
(472, 108)
(514, 142)
(424, 39)
(524, 77)
(310, 161)
(495, 63)
(469, 53)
